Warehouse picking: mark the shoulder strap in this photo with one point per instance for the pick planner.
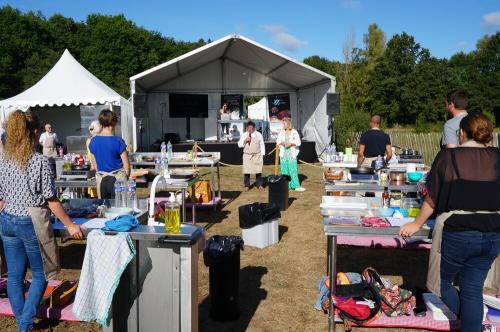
(454, 162)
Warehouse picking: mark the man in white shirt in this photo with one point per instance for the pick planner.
(48, 141)
(254, 151)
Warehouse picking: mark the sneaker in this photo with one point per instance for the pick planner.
(301, 189)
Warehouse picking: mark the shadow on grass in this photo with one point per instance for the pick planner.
(229, 196)
(302, 178)
(383, 261)
(71, 254)
(281, 231)
(250, 296)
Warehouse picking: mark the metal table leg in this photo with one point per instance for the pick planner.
(183, 192)
(212, 183)
(332, 261)
(218, 180)
(193, 206)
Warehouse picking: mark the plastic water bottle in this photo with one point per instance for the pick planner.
(131, 194)
(163, 151)
(379, 163)
(170, 153)
(164, 167)
(119, 194)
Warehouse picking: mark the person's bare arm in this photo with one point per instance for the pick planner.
(411, 228)
(57, 209)
(126, 162)
(361, 154)
(93, 164)
(388, 152)
(451, 146)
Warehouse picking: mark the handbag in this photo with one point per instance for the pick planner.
(394, 301)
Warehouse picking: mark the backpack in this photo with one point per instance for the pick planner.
(394, 301)
(346, 298)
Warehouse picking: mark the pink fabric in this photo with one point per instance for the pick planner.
(63, 313)
(380, 242)
(375, 222)
(419, 323)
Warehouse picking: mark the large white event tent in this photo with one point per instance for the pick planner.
(231, 65)
(58, 95)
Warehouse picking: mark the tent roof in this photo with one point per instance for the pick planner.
(67, 83)
(239, 50)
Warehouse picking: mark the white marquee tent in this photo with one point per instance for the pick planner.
(231, 65)
(67, 84)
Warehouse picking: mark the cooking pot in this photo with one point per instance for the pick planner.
(396, 176)
(80, 167)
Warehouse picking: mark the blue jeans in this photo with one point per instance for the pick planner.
(468, 256)
(21, 247)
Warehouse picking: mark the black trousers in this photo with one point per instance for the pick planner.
(259, 181)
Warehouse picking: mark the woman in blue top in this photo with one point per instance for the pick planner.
(108, 156)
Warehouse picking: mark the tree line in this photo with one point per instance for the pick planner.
(396, 78)
(111, 47)
(401, 81)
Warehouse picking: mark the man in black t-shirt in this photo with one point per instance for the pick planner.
(374, 143)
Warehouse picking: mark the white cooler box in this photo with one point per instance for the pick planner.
(263, 235)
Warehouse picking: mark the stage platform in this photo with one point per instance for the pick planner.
(232, 154)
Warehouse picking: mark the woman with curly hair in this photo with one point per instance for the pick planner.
(27, 196)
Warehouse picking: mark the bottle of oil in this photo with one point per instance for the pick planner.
(386, 199)
(172, 216)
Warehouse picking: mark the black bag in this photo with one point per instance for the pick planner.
(257, 213)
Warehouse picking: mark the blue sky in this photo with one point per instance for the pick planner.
(298, 28)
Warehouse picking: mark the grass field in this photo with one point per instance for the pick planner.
(278, 283)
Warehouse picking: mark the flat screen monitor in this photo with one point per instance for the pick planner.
(188, 105)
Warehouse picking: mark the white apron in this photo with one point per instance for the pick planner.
(252, 157)
(434, 271)
(49, 146)
(119, 174)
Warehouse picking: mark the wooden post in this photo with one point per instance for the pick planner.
(277, 161)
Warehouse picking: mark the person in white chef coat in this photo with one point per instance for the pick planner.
(254, 150)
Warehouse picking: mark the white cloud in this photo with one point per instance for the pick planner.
(351, 4)
(462, 45)
(492, 20)
(284, 39)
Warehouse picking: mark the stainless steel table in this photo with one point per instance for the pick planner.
(332, 231)
(370, 187)
(180, 160)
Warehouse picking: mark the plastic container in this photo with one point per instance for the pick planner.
(131, 194)
(222, 256)
(414, 176)
(170, 153)
(163, 151)
(278, 190)
(120, 200)
(172, 216)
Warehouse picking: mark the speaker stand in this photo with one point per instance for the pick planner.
(332, 136)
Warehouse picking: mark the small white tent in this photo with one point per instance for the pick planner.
(231, 65)
(68, 83)
(258, 111)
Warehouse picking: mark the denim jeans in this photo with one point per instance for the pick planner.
(258, 180)
(21, 247)
(467, 256)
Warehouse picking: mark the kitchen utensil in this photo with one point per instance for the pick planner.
(83, 167)
(414, 176)
(361, 170)
(114, 212)
(397, 176)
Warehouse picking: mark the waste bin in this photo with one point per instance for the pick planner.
(278, 190)
(259, 224)
(222, 256)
